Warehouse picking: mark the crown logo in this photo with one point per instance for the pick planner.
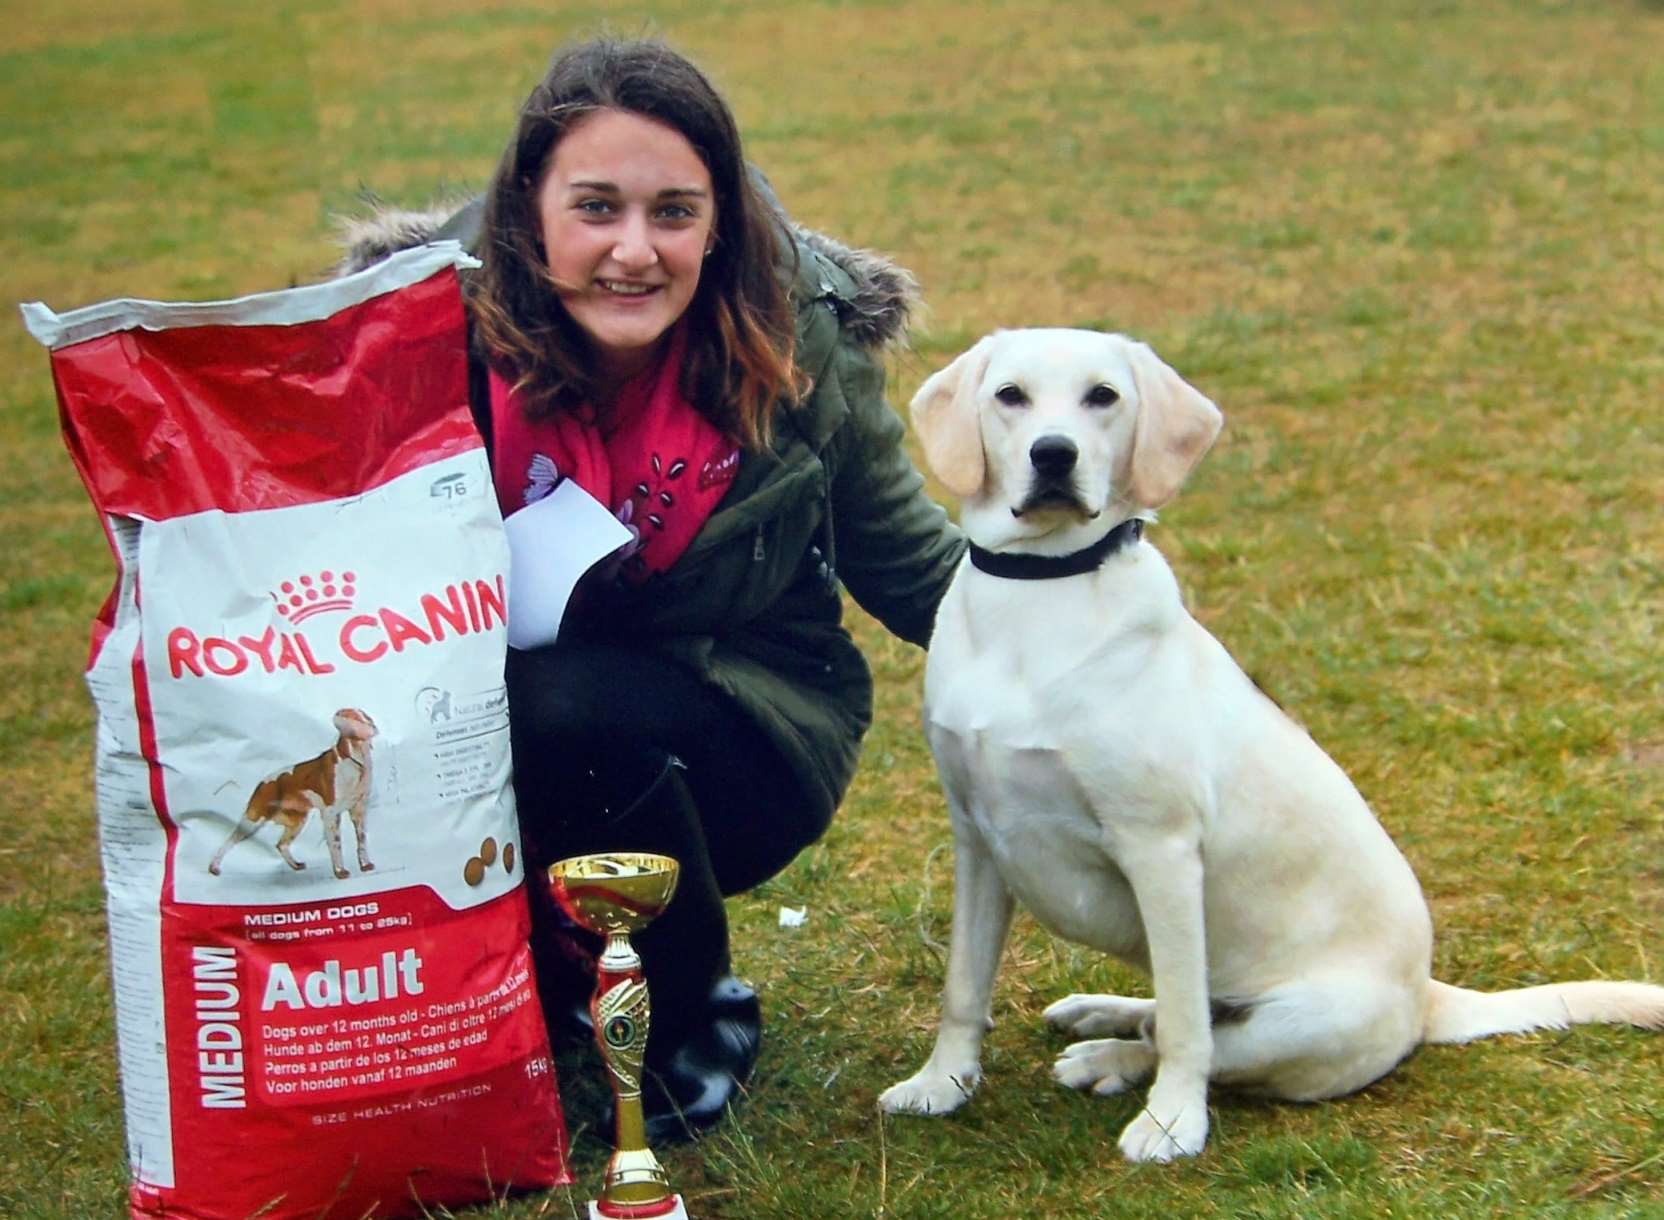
(299, 599)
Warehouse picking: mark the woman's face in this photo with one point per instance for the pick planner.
(628, 215)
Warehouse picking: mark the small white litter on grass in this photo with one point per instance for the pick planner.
(793, 917)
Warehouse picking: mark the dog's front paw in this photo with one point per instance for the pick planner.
(929, 1091)
(1107, 1067)
(1164, 1132)
(1099, 1016)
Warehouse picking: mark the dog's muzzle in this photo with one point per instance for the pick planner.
(1053, 459)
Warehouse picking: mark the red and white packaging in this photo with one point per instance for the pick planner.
(305, 647)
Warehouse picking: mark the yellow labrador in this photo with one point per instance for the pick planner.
(1107, 764)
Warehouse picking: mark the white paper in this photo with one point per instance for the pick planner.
(551, 543)
(793, 917)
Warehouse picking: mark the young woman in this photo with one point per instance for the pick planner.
(647, 323)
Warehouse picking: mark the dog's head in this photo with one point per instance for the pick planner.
(350, 722)
(1060, 435)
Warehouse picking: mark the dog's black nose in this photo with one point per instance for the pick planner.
(1053, 456)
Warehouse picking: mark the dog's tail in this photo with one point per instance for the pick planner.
(1455, 1014)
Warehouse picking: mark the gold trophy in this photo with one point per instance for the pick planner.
(613, 894)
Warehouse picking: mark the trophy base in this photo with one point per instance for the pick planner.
(676, 1212)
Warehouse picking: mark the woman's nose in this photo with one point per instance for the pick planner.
(634, 249)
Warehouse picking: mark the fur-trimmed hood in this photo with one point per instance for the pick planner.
(874, 311)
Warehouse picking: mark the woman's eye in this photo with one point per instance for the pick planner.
(1011, 395)
(594, 207)
(1102, 396)
(675, 211)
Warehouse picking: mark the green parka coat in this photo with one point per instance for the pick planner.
(753, 605)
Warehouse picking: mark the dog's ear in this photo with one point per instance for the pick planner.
(1176, 424)
(945, 417)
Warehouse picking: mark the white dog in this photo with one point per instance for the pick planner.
(1107, 764)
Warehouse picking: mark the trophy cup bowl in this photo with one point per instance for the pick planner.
(614, 894)
(614, 891)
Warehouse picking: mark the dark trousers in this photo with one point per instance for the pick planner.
(591, 724)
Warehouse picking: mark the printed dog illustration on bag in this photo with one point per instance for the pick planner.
(334, 782)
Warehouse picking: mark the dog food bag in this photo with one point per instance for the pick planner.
(318, 921)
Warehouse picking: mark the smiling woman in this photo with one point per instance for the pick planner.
(626, 174)
(628, 220)
(647, 324)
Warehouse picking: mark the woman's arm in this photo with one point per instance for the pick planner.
(896, 550)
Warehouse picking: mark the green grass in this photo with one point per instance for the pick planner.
(1412, 250)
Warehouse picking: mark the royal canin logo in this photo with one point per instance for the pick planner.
(299, 599)
(466, 607)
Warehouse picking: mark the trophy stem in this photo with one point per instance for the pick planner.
(636, 1185)
(619, 956)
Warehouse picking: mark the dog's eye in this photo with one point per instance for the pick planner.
(1011, 395)
(1102, 396)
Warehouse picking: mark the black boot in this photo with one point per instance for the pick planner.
(692, 1082)
(706, 1025)
(563, 954)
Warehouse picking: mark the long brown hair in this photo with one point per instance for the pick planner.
(739, 361)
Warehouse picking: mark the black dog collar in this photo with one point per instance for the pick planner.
(1013, 566)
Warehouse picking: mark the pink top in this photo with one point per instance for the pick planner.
(661, 468)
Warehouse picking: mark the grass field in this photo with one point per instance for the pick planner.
(1412, 248)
